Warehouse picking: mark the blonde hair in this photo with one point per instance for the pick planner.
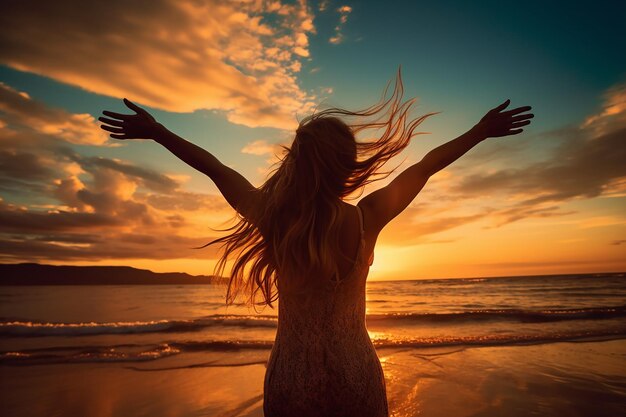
(292, 227)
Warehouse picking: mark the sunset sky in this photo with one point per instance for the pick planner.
(235, 77)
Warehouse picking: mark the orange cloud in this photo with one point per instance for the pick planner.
(168, 54)
(272, 151)
(586, 162)
(21, 110)
(344, 11)
(78, 207)
(261, 147)
(613, 113)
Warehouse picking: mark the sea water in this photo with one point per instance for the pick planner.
(141, 323)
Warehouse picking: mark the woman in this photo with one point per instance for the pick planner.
(297, 238)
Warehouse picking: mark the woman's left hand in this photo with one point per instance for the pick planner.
(498, 123)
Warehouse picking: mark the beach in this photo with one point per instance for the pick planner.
(455, 167)
(556, 379)
(482, 347)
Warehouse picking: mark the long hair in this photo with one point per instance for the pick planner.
(292, 225)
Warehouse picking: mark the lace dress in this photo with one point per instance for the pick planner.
(323, 362)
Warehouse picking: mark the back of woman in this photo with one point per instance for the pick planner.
(297, 240)
(323, 362)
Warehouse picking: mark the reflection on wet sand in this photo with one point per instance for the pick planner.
(574, 379)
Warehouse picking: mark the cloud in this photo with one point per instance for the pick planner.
(522, 211)
(344, 10)
(261, 147)
(25, 165)
(34, 139)
(240, 57)
(414, 232)
(338, 37)
(184, 201)
(416, 224)
(587, 162)
(146, 177)
(613, 113)
(68, 247)
(23, 111)
(77, 207)
(19, 219)
(583, 166)
(272, 151)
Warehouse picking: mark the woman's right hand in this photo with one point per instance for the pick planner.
(130, 126)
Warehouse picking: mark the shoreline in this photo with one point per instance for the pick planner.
(170, 350)
(554, 379)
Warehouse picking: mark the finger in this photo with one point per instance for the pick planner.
(112, 129)
(517, 111)
(522, 123)
(117, 115)
(515, 131)
(119, 136)
(110, 121)
(133, 106)
(522, 117)
(501, 106)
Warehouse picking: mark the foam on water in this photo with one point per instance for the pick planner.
(38, 329)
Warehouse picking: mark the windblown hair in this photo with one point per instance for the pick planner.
(292, 225)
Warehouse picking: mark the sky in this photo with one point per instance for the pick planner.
(236, 76)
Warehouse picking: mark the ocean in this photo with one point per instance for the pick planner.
(159, 328)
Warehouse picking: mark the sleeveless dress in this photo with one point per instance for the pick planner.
(323, 362)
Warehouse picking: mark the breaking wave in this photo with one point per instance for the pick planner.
(17, 328)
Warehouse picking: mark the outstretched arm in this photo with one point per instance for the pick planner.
(236, 189)
(381, 206)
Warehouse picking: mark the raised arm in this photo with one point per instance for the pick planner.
(381, 206)
(239, 193)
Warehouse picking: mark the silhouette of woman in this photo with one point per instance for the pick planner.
(297, 238)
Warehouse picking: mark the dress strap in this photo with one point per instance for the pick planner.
(362, 245)
(358, 209)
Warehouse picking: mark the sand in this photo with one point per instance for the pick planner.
(558, 379)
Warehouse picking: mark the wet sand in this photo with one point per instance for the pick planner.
(558, 379)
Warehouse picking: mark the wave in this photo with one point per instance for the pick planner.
(145, 353)
(82, 354)
(523, 316)
(17, 328)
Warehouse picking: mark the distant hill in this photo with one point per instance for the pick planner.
(38, 274)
